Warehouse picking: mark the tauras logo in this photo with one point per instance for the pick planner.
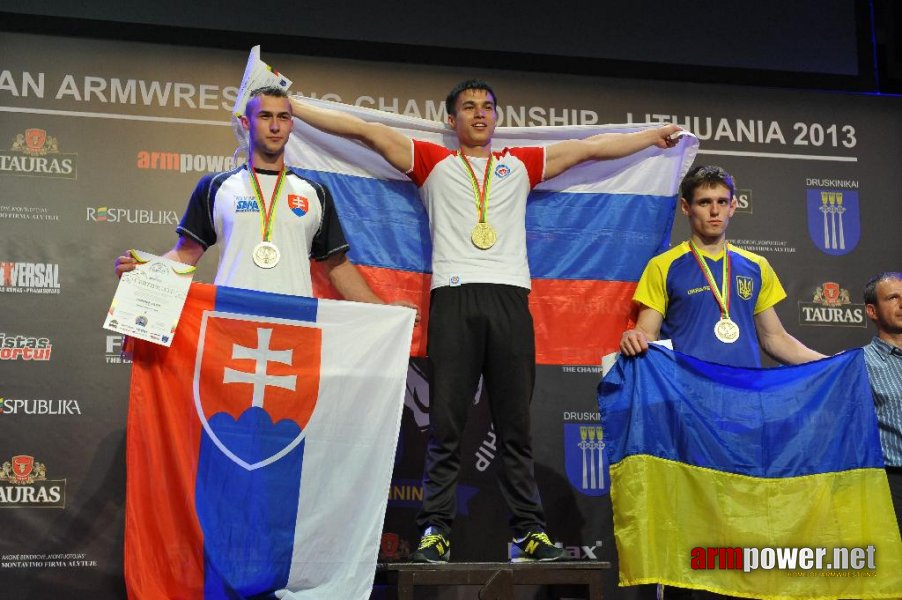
(24, 484)
(33, 153)
(831, 305)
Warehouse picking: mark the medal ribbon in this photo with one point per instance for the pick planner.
(481, 196)
(722, 296)
(267, 215)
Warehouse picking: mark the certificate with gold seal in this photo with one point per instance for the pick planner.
(149, 300)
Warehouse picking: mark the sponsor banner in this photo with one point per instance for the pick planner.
(585, 458)
(133, 216)
(29, 278)
(32, 214)
(113, 352)
(24, 484)
(185, 162)
(34, 153)
(831, 305)
(23, 347)
(834, 221)
(38, 406)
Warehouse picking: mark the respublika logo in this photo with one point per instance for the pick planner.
(299, 205)
(585, 459)
(33, 153)
(135, 216)
(29, 278)
(834, 220)
(38, 406)
(21, 347)
(184, 162)
(24, 484)
(831, 305)
(502, 171)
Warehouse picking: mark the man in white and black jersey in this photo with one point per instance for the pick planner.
(479, 319)
(267, 220)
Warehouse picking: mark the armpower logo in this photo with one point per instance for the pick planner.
(184, 162)
(21, 347)
(33, 153)
(831, 305)
(24, 484)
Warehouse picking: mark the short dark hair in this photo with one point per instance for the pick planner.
(705, 176)
(469, 84)
(269, 90)
(870, 288)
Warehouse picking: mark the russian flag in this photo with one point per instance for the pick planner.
(260, 447)
(711, 456)
(590, 231)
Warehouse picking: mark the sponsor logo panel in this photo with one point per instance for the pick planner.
(585, 458)
(38, 406)
(35, 153)
(831, 305)
(29, 278)
(834, 216)
(133, 216)
(24, 484)
(23, 347)
(113, 352)
(184, 162)
(32, 214)
(744, 201)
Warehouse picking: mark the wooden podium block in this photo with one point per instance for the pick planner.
(496, 578)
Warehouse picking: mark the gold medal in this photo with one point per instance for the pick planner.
(726, 330)
(266, 255)
(483, 236)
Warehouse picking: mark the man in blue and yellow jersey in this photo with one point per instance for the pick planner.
(682, 294)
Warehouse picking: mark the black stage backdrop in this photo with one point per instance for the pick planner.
(100, 146)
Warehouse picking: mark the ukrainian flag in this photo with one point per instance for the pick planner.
(710, 456)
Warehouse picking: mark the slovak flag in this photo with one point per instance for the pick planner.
(260, 447)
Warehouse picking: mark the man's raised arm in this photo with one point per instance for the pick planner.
(563, 155)
(395, 147)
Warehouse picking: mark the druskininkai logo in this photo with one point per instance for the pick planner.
(34, 153)
(585, 458)
(24, 484)
(834, 220)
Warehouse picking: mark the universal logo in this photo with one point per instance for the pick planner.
(29, 278)
(24, 484)
(33, 153)
(831, 305)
